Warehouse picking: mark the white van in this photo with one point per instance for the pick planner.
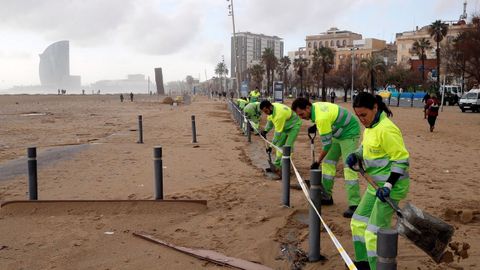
(470, 101)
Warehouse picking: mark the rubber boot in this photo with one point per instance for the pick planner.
(349, 212)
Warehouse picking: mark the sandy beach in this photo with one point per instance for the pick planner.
(243, 217)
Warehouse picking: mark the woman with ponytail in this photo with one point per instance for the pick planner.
(385, 159)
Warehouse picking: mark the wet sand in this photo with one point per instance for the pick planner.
(243, 218)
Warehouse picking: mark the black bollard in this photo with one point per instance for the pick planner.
(194, 130)
(387, 243)
(158, 166)
(314, 220)
(32, 173)
(286, 176)
(249, 131)
(140, 129)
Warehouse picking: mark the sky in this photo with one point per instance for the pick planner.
(110, 38)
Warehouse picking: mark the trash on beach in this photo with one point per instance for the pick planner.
(109, 233)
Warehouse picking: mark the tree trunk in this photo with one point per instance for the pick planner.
(438, 65)
(372, 82)
(324, 90)
(423, 68)
(345, 96)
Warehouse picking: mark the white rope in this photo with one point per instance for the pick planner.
(301, 182)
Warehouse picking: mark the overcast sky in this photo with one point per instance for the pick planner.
(110, 38)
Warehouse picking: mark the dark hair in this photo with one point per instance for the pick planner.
(367, 100)
(265, 104)
(300, 103)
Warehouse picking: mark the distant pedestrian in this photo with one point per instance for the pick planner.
(332, 96)
(131, 96)
(121, 97)
(432, 107)
(424, 101)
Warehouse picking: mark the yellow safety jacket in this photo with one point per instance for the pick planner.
(254, 96)
(333, 121)
(383, 151)
(282, 118)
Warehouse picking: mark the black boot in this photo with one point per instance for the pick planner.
(362, 265)
(349, 212)
(327, 201)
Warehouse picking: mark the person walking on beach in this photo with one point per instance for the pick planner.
(131, 96)
(386, 161)
(121, 97)
(340, 134)
(425, 98)
(432, 107)
(287, 125)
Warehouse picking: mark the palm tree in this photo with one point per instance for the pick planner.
(419, 48)
(270, 61)
(257, 71)
(322, 63)
(300, 64)
(220, 70)
(372, 66)
(283, 67)
(438, 31)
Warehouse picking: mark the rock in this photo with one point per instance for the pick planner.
(168, 100)
(450, 214)
(466, 216)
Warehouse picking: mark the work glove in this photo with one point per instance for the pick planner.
(264, 134)
(315, 165)
(312, 129)
(352, 160)
(269, 150)
(384, 192)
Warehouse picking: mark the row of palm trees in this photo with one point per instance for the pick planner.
(322, 63)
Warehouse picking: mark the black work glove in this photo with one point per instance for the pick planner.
(264, 134)
(351, 161)
(312, 129)
(315, 165)
(268, 150)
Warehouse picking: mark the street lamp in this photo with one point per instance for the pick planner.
(231, 13)
(353, 69)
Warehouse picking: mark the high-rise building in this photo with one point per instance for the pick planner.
(250, 47)
(159, 81)
(54, 67)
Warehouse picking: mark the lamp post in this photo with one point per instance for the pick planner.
(237, 75)
(353, 68)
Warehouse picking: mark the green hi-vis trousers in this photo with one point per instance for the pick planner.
(371, 215)
(287, 138)
(329, 168)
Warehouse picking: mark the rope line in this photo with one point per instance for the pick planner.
(301, 182)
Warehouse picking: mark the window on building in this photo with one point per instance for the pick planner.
(326, 43)
(309, 52)
(332, 43)
(361, 55)
(338, 43)
(320, 44)
(344, 43)
(309, 44)
(315, 45)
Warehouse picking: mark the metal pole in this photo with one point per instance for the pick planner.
(353, 67)
(249, 131)
(140, 129)
(286, 176)
(387, 244)
(314, 220)
(32, 173)
(194, 130)
(158, 166)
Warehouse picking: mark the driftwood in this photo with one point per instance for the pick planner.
(207, 255)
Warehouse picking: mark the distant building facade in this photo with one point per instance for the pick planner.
(361, 49)
(54, 67)
(250, 47)
(333, 38)
(134, 83)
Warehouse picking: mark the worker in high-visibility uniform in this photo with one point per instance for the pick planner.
(340, 134)
(286, 123)
(241, 102)
(253, 113)
(385, 159)
(254, 95)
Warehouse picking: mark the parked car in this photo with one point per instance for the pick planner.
(470, 101)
